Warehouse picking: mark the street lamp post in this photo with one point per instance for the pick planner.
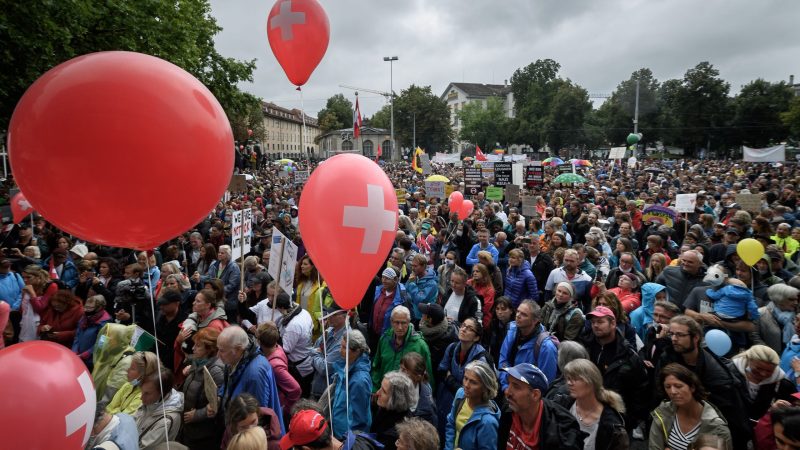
(391, 59)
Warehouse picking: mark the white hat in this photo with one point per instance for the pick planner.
(80, 250)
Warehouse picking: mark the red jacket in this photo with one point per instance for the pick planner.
(64, 323)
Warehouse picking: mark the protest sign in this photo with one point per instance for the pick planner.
(749, 202)
(528, 206)
(425, 162)
(534, 175)
(401, 196)
(472, 180)
(435, 189)
(502, 173)
(616, 153)
(685, 203)
(238, 184)
(512, 194)
(566, 168)
(301, 176)
(494, 193)
(283, 260)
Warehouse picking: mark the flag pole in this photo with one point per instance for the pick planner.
(278, 278)
(241, 250)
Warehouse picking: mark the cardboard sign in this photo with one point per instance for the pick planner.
(685, 203)
(528, 206)
(435, 189)
(285, 265)
(616, 153)
(494, 193)
(472, 181)
(502, 173)
(512, 194)
(566, 168)
(238, 184)
(401, 196)
(534, 175)
(425, 162)
(749, 202)
(300, 177)
(241, 226)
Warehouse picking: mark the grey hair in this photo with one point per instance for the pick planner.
(251, 261)
(236, 336)
(569, 351)
(358, 342)
(35, 249)
(196, 234)
(403, 394)
(183, 283)
(488, 378)
(400, 309)
(419, 434)
(99, 301)
(227, 249)
(780, 293)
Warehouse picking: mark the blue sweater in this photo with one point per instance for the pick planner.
(472, 257)
(254, 376)
(480, 431)
(547, 361)
(423, 290)
(360, 383)
(11, 285)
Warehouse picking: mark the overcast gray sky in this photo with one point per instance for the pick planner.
(597, 42)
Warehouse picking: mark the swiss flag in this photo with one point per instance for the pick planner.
(479, 154)
(379, 154)
(356, 120)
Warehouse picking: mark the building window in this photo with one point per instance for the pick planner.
(367, 147)
(347, 145)
(386, 148)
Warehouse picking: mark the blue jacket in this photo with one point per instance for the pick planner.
(548, 354)
(445, 391)
(86, 335)
(152, 279)
(423, 290)
(734, 302)
(399, 292)
(472, 257)
(11, 285)
(254, 376)
(792, 350)
(360, 384)
(480, 431)
(69, 274)
(125, 435)
(230, 279)
(520, 284)
(643, 315)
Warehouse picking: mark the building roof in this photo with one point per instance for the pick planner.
(365, 131)
(290, 115)
(480, 89)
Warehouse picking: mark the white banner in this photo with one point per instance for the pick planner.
(771, 154)
(617, 153)
(236, 235)
(685, 203)
(434, 189)
(446, 158)
(285, 265)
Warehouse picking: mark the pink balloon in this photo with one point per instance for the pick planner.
(466, 209)
(455, 201)
(348, 220)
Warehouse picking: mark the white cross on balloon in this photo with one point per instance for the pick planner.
(285, 19)
(83, 415)
(374, 218)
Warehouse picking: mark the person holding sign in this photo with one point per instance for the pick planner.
(199, 430)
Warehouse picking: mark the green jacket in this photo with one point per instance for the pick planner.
(387, 358)
(711, 422)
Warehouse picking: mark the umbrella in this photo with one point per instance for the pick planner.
(569, 178)
(285, 161)
(438, 178)
(552, 161)
(653, 169)
(468, 158)
(581, 163)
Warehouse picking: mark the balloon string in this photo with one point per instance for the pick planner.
(303, 132)
(325, 352)
(347, 371)
(158, 354)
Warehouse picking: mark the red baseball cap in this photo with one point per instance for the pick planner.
(601, 311)
(306, 427)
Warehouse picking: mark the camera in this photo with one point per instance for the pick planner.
(131, 293)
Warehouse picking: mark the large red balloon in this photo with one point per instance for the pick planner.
(348, 220)
(47, 398)
(298, 32)
(455, 201)
(121, 149)
(466, 209)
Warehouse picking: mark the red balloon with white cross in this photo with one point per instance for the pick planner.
(348, 220)
(298, 33)
(47, 398)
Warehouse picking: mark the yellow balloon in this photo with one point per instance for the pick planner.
(750, 250)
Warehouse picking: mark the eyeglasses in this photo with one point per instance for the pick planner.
(468, 328)
(678, 335)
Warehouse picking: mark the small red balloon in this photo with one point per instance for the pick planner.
(47, 398)
(124, 125)
(20, 207)
(466, 209)
(298, 33)
(455, 201)
(348, 220)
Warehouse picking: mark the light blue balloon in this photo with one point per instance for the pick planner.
(718, 342)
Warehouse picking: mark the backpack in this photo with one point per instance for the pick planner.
(540, 340)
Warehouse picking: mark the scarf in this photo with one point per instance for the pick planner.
(433, 332)
(786, 321)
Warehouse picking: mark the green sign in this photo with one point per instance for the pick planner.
(494, 193)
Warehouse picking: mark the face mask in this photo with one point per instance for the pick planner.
(450, 263)
(424, 232)
(459, 233)
(135, 382)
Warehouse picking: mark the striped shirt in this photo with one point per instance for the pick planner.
(678, 440)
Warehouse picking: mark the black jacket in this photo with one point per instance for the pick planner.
(559, 431)
(611, 433)
(725, 387)
(469, 306)
(623, 372)
(541, 269)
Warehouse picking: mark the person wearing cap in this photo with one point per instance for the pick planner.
(785, 241)
(528, 341)
(777, 265)
(395, 342)
(422, 286)
(561, 316)
(77, 252)
(65, 270)
(246, 371)
(168, 324)
(388, 295)
(718, 252)
(333, 321)
(199, 430)
(296, 327)
(309, 430)
(535, 422)
(622, 369)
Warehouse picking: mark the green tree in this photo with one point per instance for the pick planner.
(337, 114)
(617, 112)
(484, 124)
(563, 125)
(668, 120)
(382, 118)
(37, 35)
(704, 108)
(420, 104)
(757, 120)
(791, 118)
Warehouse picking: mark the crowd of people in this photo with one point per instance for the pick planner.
(577, 324)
